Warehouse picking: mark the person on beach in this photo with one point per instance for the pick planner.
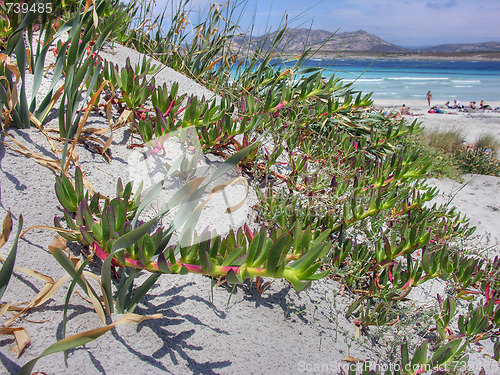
(435, 109)
(429, 97)
(447, 104)
(457, 105)
(472, 105)
(483, 106)
(405, 110)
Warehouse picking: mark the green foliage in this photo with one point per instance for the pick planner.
(6, 28)
(87, 210)
(343, 186)
(77, 66)
(477, 161)
(120, 240)
(216, 124)
(457, 158)
(487, 141)
(443, 164)
(134, 92)
(444, 140)
(167, 40)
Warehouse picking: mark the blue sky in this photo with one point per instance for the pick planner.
(402, 22)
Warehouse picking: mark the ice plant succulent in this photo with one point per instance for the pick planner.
(238, 256)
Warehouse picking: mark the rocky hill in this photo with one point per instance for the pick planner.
(469, 47)
(296, 40)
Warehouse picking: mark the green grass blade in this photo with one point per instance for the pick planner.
(8, 266)
(152, 194)
(141, 292)
(81, 339)
(124, 289)
(106, 282)
(66, 301)
(62, 258)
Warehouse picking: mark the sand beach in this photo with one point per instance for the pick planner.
(472, 123)
(206, 329)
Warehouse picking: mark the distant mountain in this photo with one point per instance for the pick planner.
(464, 47)
(295, 40)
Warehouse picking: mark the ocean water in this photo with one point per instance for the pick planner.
(406, 79)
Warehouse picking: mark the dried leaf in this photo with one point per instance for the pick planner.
(126, 117)
(348, 358)
(88, 3)
(47, 291)
(20, 335)
(357, 331)
(6, 229)
(107, 144)
(50, 228)
(50, 163)
(10, 65)
(39, 125)
(4, 308)
(58, 243)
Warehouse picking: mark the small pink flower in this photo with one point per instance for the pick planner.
(159, 147)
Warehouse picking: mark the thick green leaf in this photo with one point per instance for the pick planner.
(106, 281)
(132, 237)
(280, 246)
(420, 356)
(309, 258)
(233, 278)
(120, 213)
(256, 246)
(232, 256)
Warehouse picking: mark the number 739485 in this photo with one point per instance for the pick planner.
(25, 7)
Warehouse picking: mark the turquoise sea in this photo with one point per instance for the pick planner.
(410, 79)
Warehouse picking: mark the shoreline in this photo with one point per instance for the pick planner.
(429, 56)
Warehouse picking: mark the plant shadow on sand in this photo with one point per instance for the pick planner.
(267, 297)
(179, 332)
(175, 341)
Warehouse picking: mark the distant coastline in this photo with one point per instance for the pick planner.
(428, 56)
(363, 45)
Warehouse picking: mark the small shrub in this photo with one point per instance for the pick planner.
(445, 141)
(477, 161)
(487, 142)
(443, 164)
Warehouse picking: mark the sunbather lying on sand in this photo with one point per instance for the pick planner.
(405, 110)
